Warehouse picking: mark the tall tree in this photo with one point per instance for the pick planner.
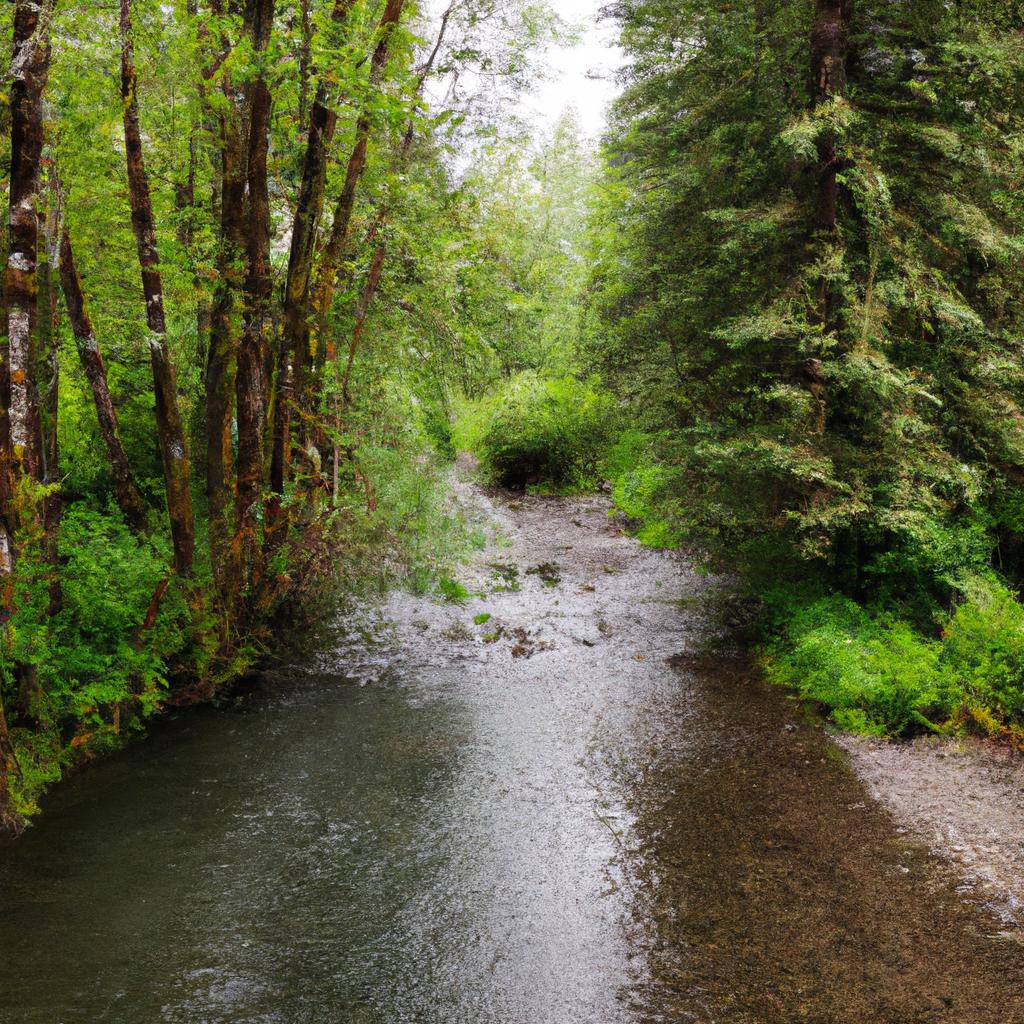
(21, 451)
(222, 357)
(252, 381)
(48, 371)
(377, 236)
(829, 45)
(126, 490)
(331, 260)
(294, 345)
(170, 430)
(29, 73)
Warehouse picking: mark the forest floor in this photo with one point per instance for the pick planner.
(565, 798)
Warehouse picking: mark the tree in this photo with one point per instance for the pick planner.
(170, 429)
(126, 490)
(765, 245)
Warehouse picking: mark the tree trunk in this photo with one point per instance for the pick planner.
(126, 490)
(252, 384)
(30, 70)
(294, 354)
(829, 47)
(222, 359)
(334, 251)
(49, 370)
(362, 310)
(380, 252)
(171, 434)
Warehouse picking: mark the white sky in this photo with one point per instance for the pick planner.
(583, 76)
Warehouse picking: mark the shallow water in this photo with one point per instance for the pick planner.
(563, 815)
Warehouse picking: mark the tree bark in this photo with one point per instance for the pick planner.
(49, 370)
(252, 385)
(126, 490)
(222, 359)
(334, 251)
(294, 354)
(24, 459)
(829, 49)
(170, 431)
(29, 71)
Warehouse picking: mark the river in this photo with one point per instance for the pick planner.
(586, 809)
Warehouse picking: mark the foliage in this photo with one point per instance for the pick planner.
(643, 488)
(709, 270)
(96, 633)
(984, 649)
(98, 671)
(842, 405)
(532, 431)
(875, 673)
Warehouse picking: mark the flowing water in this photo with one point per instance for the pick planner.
(583, 810)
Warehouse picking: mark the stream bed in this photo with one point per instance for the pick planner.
(565, 800)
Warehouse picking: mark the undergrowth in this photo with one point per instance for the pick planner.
(875, 673)
(91, 673)
(532, 432)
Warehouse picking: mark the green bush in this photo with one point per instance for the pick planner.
(98, 675)
(644, 490)
(533, 431)
(874, 673)
(984, 649)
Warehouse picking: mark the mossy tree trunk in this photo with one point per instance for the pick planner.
(24, 460)
(328, 272)
(252, 385)
(222, 358)
(294, 356)
(170, 430)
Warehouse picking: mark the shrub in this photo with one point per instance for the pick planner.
(874, 675)
(645, 490)
(984, 649)
(534, 431)
(98, 676)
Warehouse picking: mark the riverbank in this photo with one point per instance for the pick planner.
(965, 799)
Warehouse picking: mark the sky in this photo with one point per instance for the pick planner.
(584, 75)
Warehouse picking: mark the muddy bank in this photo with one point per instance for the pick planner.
(965, 799)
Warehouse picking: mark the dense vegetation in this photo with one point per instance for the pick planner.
(808, 276)
(272, 264)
